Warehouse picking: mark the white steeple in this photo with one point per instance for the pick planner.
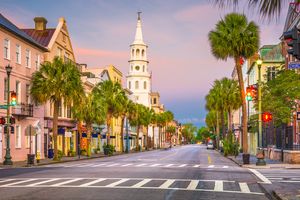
(139, 78)
(138, 33)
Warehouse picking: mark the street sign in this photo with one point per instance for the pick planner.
(3, 106)
(298, 116)
(294, 65)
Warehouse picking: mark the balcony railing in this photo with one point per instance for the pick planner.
(25, 110)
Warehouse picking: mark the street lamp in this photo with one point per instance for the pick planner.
(260, 157)
(7, 160)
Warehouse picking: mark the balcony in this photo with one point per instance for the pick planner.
(25, 110)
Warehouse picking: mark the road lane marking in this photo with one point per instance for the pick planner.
(211, 166)
(260, 176)
(196, 165)
(209, 159)
(218, 186)
(98, 165)
(111, 165)
(140, 184)
(18, 182)
(126, 165)
(167, 184)
(169, 165)
(92, 182)
(193, 185)
(85, 165)
(225, 167)
(140, 165)
(155, 165)
(244, 187)
(117, 183)
(183, 165)
(75, 165)
(3, 181)
(66, 182)
(40, 183)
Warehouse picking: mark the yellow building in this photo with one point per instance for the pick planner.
(57, 41)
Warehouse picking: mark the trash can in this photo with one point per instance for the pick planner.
(30, 159)
(50, 153)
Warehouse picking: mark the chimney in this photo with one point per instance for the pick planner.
(40, 23)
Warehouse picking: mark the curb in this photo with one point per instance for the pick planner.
(272, 195)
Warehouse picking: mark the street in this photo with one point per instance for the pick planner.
(185, 172)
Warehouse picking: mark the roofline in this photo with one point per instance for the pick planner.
(36, 44)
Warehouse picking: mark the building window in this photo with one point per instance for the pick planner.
(18, 91)
(60, 109)
(131, 67)
(27, 140)
(145, 85)
(271, 73)
(5, 89)
(37, 62)
(28, 100)
(137, 53)
(69, 113)
(129, 84)
(136, 85)
(132, 53)
(154, 101)
(59, 52)
(7, 49)
(18, 54)
(143, 53)
(28, 60)
(18, 136)
(143, 68)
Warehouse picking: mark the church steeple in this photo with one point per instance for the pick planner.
(138, 33)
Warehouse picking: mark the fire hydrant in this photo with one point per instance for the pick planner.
(38, 156)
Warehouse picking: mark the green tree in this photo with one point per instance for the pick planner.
(266, 8)
(154, 124)
(90, 111)
(112, 95)
(123, 113)
(53, 82)
(188, 132)
(235, 38)
(161, 120)
(281, 95)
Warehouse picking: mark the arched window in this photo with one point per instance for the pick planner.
(143, 53)
(129, 85)
(143, 68)
(154, 101)
(145, 85)
(136, 85)
(138, 53)
(132, 53)
(131, 67)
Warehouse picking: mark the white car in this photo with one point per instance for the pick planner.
(210, 145)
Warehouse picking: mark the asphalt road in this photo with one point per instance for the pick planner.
(186, 172)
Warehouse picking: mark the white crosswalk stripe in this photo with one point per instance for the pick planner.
(282, 175)
(196, 165)
(193, 185)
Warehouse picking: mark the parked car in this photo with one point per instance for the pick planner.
(210, 145)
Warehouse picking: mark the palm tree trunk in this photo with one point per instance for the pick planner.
(108, 122)
(218, 130)
(137, 138)
(153, 136)
(244, 111)
(159, 137)
(229, 120)
(79, 128)
(223, 124)
(122, 133)
(55, 124)
(89, 128)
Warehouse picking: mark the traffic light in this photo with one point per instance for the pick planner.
(2, 120)
(13, 98)
(12, 120)
(293, 40)
(248, 94)
(266, 117)
(254, 91)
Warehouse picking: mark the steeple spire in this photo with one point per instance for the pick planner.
(138, 34)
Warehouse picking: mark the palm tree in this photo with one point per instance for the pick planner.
(147, 119)
(234, 37)
(267, 8)
(55, 81)
(112, 95)
(160, 119)
(154, 123)
(91, 110)
(169, 116)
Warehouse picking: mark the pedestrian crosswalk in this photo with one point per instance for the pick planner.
(151, 165)
(282, 175)
(136, 183)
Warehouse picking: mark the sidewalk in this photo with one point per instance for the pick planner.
(269, 163)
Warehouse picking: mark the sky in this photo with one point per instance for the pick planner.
(176, 32)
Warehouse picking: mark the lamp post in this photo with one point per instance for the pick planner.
(260, 157)
(7, 160)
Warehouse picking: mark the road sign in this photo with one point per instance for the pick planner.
(3, 106)
(294, 65)
(298, 116)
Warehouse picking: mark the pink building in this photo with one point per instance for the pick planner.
(24, 54)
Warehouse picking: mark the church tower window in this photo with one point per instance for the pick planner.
(143, 68)
(129, 84)
(137, 53)
(143, 53)
(136, 85)
(145, 85)
(132, 53)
